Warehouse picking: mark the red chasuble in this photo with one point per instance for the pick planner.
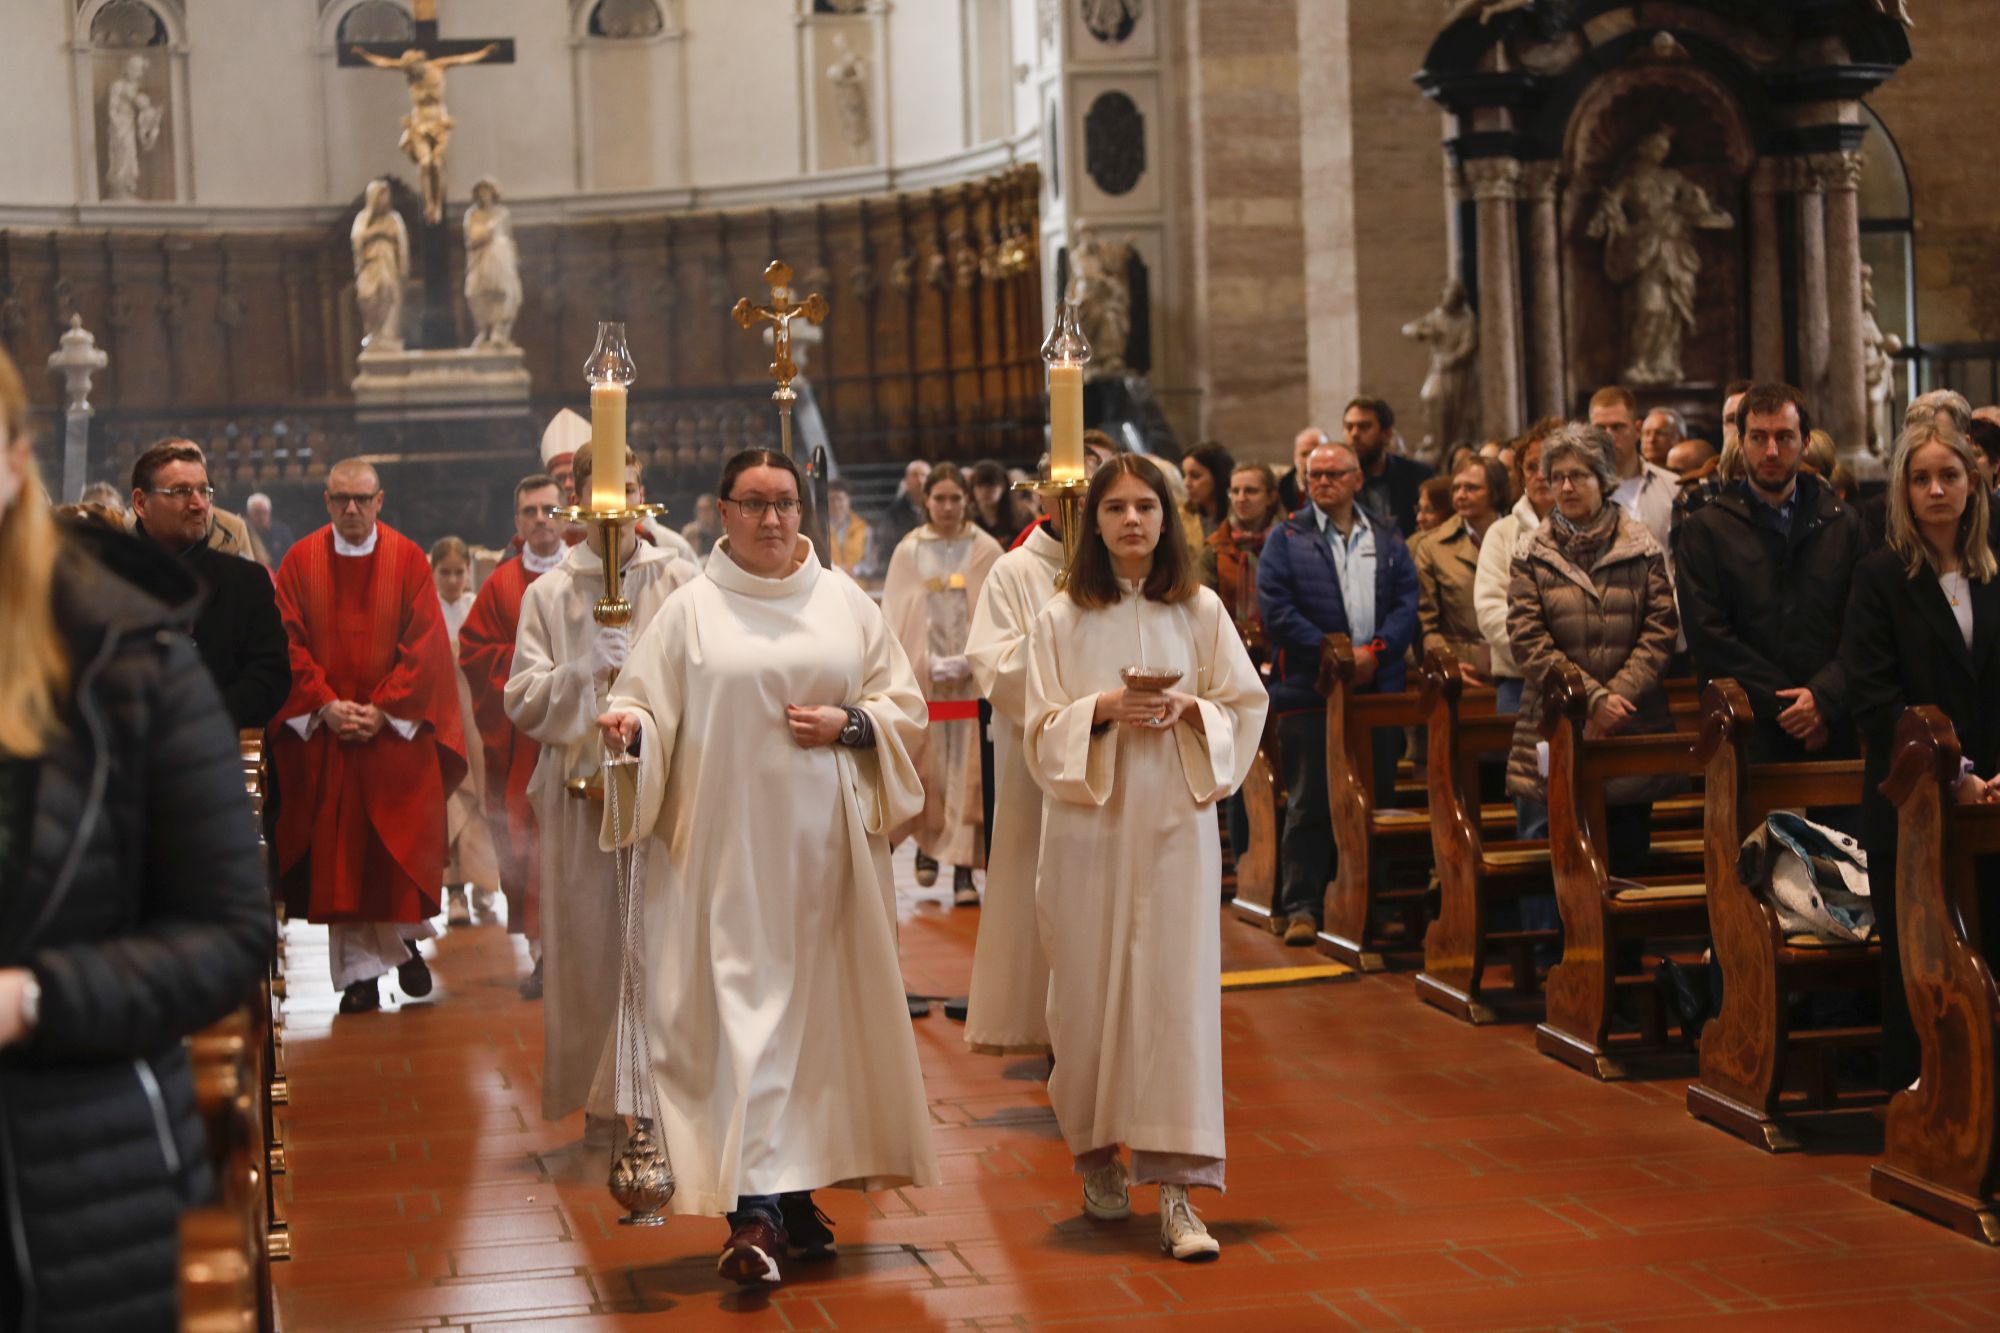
(486, 655)
(361, 826)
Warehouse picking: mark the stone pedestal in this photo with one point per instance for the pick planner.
(458, 382)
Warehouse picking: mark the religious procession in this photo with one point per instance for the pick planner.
(922, 795)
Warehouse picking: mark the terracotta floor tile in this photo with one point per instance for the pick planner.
(1389, 1168)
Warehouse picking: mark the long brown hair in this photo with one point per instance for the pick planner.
(1975, 557)
(1092, 582)
(34, 662)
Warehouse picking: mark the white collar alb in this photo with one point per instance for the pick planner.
(541, 564)
(341, 547)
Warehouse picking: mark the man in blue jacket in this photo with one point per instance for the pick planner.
(1332, 568)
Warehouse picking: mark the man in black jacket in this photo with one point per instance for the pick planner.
(1389, 481)
(237, 631)
(1763, 572)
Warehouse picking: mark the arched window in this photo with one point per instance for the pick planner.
(1887, 230)
(376, 21)
(626, 19)
(127, 24)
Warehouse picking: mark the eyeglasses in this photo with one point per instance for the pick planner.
(756, 509)
(1334, 474)
(357, 501)
(1567, 478)
(183, 494)
(539, 511)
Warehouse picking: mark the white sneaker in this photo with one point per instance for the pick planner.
(1105, 1196)
(457, 912)
(1181, 1233)
(482, 903)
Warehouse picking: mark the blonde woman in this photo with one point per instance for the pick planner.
(132, 906)
(1923, 627)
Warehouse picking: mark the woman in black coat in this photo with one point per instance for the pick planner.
(1923, 627)
(132, 912)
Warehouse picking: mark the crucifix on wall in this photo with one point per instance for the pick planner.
(423, 61)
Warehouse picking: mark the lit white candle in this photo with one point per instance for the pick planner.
(607, 446)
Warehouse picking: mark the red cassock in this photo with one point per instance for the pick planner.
(486, 655)
(361, 826)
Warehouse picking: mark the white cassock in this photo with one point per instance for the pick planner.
(553, 697)
(1007, 1013)
(783, 1057)
(1131, 867)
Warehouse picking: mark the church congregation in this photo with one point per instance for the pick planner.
(950, 791)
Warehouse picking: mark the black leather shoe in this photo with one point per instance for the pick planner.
(808, 1231)
(361, 998)
(531, 989)
(414, 976)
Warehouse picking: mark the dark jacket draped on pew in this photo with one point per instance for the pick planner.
(141, 909)
(1903, 648)
(1765, 608)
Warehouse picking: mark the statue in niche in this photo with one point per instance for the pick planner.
(132, 121)
(1647, 219)
(381, 247)
(427, 127)
(492, 267)
(1451, 390)
(849, 76)
(1878, 366)
(1103, 299)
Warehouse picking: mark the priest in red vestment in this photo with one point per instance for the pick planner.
(486, 654)
(368, 745)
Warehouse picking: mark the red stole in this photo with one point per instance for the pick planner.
(361, 827)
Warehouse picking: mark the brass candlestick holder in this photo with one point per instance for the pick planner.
(1066, 498)
(613, 610)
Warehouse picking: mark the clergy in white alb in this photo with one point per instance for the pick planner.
(773, 714)
(564, 662)
(1131, 863)
(1006, 1013)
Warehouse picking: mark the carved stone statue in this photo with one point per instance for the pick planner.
(1451, 390)
(427, 127)
(1103, 298)
(492, 267)
(1878, 366)
(381, 261)
(1647, 219)
(849, 76)
(132, 124)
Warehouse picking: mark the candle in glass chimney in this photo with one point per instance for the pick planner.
(1066, 351)
(609, 370)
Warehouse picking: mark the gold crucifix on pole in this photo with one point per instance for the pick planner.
(779, 314)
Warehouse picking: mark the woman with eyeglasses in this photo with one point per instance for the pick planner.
(1132, 766)
(1923, 627)
(133, 909)
(934, 581)
(1589, 589)
(774, 716)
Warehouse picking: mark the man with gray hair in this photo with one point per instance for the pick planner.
(906, 513)
(1946, 407)
(274, 532)
(1659, 433)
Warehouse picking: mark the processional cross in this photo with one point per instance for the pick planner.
(780, 313)
(423, 61)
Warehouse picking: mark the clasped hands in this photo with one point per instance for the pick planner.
(1154, 709)
(812, 726)
(1801, 718)
(950, 670)
(353, 722)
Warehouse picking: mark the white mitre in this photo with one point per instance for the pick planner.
(566, 434)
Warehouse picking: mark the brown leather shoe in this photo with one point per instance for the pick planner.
(1301, 932)
(1277, 922)
(751, 1256)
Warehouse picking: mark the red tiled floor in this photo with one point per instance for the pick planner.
(1390, 1168)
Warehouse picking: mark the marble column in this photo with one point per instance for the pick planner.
(1493, 182)
(1845, 400)
(1814, 345)
(1767, 282)
(1540, 184)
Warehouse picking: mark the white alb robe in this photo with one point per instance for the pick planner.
(552, 697)
(1007, 1012)
(1131, 868)
(782, 1053)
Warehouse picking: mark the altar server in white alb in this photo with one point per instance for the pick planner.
(773, 715)
(1130, 862)
(564, 663)
(1007, 1012)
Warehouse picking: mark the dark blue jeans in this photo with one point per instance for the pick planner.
(1307, 853)
(749, 1206)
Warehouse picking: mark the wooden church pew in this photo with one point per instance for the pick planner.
(1264, 802)
(1367, 828)
(1600, 914)
(1747, 1047)
(1941, 1155)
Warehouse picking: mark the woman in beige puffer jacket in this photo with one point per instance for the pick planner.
(1589, 587)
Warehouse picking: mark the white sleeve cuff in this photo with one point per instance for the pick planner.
(304, 724)
(407, 730)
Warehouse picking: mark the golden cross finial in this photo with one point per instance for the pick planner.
(780, 313)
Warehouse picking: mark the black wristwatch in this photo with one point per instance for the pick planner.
(852, 733)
